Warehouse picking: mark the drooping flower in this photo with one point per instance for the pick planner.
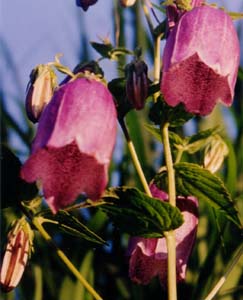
(18, 250)
(137, 83)
(85, 4)
(74, 143)
(148, 256)
(200, 61)
(39, 91)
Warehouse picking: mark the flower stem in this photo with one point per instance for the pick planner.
(226, 274)
(135, 159)
(36, 221)
(170, 235)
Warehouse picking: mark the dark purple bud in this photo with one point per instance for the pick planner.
(74, 142)
(137, 83)
(85, 3)
(39, 91)
(16, 255)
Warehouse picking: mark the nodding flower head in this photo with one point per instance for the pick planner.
(148, 256)
(200, 61)
(74, 142)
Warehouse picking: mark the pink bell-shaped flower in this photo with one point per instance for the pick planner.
(74, 142)
(148, 256)
(200, 61)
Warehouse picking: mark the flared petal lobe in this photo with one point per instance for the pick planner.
(200, 61)
(74, 143)
(148, 256)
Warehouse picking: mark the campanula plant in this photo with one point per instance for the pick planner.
(82, 187)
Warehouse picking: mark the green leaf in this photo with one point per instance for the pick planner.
(138, 214)
(193, 180)
(70, 225)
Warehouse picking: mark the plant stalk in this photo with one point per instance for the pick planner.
(170, 235)
(135, 159)
(222, 280)
(37, 223)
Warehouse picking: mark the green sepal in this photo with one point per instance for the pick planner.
(107, 50)
(161, 113)
(69, 224)
(137, 214)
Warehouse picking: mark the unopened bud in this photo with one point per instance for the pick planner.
(137, 83)
(39, 91)
(85, 3)
(16, 255)
(127, 3)
(215, 154)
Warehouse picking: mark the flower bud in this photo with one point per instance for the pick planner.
(137, 83)
(215, 154)
(16, 255)
(85, 3)
(39, 91)
(127, 3)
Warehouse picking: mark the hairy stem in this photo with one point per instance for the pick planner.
(170, 235)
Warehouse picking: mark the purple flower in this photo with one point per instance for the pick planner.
(176, 10)
(85, 3)
(148, 256)
(74, 143)
(200, 61)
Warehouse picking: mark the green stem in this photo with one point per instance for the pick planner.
(226, 274)
(169, 164)
(36, 221)
(170, 235)
(135, 159)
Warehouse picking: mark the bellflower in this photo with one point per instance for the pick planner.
(148, 256)
(74, 143)
(200, 61)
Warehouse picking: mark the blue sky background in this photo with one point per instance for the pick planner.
(33, 31)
